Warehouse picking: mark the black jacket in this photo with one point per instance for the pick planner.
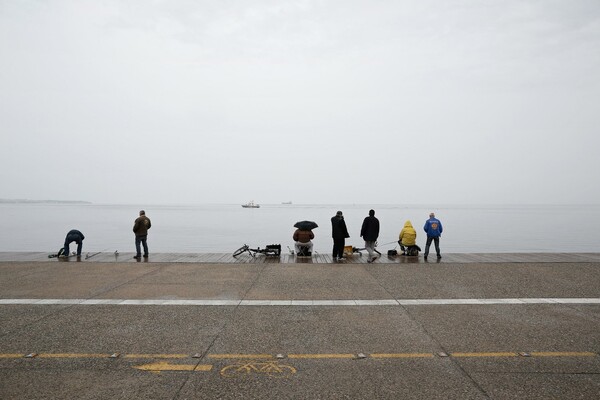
(370, 229)
(338, 228)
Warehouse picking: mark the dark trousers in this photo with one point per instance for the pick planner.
(436, 241)
(79, 246)
(142, 240)
(338, 247)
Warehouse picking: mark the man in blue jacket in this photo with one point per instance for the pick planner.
(433, 228)
(73, 236)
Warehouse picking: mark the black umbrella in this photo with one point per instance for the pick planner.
(306, 225)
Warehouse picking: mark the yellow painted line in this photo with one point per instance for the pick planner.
(303, 356)
(165, 366)
(156, 356)
(240, 356)
(497, 354)
(321, 356)
(402, 355)
(71, 355)
(562, 354)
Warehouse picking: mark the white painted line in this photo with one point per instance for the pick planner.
(344, 302)
(538, 301)
(420, 302)
(300, 303)
(386, 302)
(323, 303)
(221, 302)
(180, 303)
(68, 301)
(277, 303)
(468, 301)
(138, 302)
(500, 301)
(364, 302)
(577, 301)
(18, 301)
(255, 303)
(95, 302)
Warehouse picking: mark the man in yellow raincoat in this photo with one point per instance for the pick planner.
(408, 237)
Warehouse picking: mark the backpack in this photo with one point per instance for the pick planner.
(413, 250)
(60, 253)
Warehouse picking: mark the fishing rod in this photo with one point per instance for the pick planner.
(385, 244)
(88, 255)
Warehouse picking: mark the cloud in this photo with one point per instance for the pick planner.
(381, 102)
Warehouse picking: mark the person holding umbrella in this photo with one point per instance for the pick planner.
(303, 236)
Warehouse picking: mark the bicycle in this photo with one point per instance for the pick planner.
(271, 250)
(359, 251)
(269, 368)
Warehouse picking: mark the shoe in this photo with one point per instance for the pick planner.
(439, 257)
(341, 259)
(145, 255)
(137, 257)
(425, 257)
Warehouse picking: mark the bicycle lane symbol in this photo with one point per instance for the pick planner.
(265, 368)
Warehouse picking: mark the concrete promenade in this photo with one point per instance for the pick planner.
(487, 327)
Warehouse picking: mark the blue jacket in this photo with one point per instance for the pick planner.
(433, 227)
(74, 236)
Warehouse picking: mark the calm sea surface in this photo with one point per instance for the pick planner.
(224, 228)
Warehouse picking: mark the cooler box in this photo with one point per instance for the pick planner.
(347, 251)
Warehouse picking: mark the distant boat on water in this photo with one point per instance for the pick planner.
(286, 202)
(252, 204)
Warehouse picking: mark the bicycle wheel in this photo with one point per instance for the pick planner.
(240, 250)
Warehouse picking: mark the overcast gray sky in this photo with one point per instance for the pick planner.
(371, 102)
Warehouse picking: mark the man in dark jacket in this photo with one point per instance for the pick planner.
(370, 232)
(140, 228)
(73, 236)
(339, 233)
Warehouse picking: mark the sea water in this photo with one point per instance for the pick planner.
(222, 228)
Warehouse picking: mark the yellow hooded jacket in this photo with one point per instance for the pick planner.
(408, 235)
